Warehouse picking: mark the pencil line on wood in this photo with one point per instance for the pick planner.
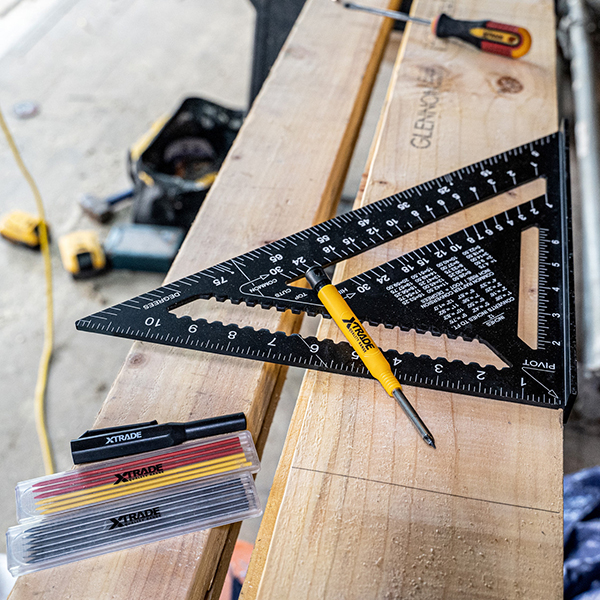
(418, 489)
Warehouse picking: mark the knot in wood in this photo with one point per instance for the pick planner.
(137, 359)
(509, 85)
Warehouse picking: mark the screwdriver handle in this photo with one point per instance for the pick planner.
(351, 327)
(488, 36)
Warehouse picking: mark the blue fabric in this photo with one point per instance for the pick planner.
(582, 535)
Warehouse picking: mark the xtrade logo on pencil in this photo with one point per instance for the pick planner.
(359, 334)
(138, 473)
(136, 517)
(126, 437)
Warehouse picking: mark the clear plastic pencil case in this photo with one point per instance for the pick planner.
(121, 523)
(109, 480)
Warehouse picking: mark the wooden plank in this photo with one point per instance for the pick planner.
(265, 533)
(529, 286)
(283, 174)
(368, 509)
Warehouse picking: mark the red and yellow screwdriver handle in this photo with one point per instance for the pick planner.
(352, 329)
(488, 36)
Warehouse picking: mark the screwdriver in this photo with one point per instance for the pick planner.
(488, 36)
(365, 347)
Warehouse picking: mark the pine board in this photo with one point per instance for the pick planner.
(362, 508)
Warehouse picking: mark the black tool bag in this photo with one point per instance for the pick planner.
(173, 169)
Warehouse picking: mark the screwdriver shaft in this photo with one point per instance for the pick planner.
(382, 12)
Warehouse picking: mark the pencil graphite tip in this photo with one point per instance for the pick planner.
(429, 439)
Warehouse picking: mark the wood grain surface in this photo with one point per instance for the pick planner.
(361, 507)
(284, 173)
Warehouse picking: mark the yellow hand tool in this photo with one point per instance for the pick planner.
(21, 228)
(365, 347)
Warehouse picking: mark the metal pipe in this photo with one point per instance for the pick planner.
(586, 137)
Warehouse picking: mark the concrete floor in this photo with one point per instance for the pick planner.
(102, 72)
